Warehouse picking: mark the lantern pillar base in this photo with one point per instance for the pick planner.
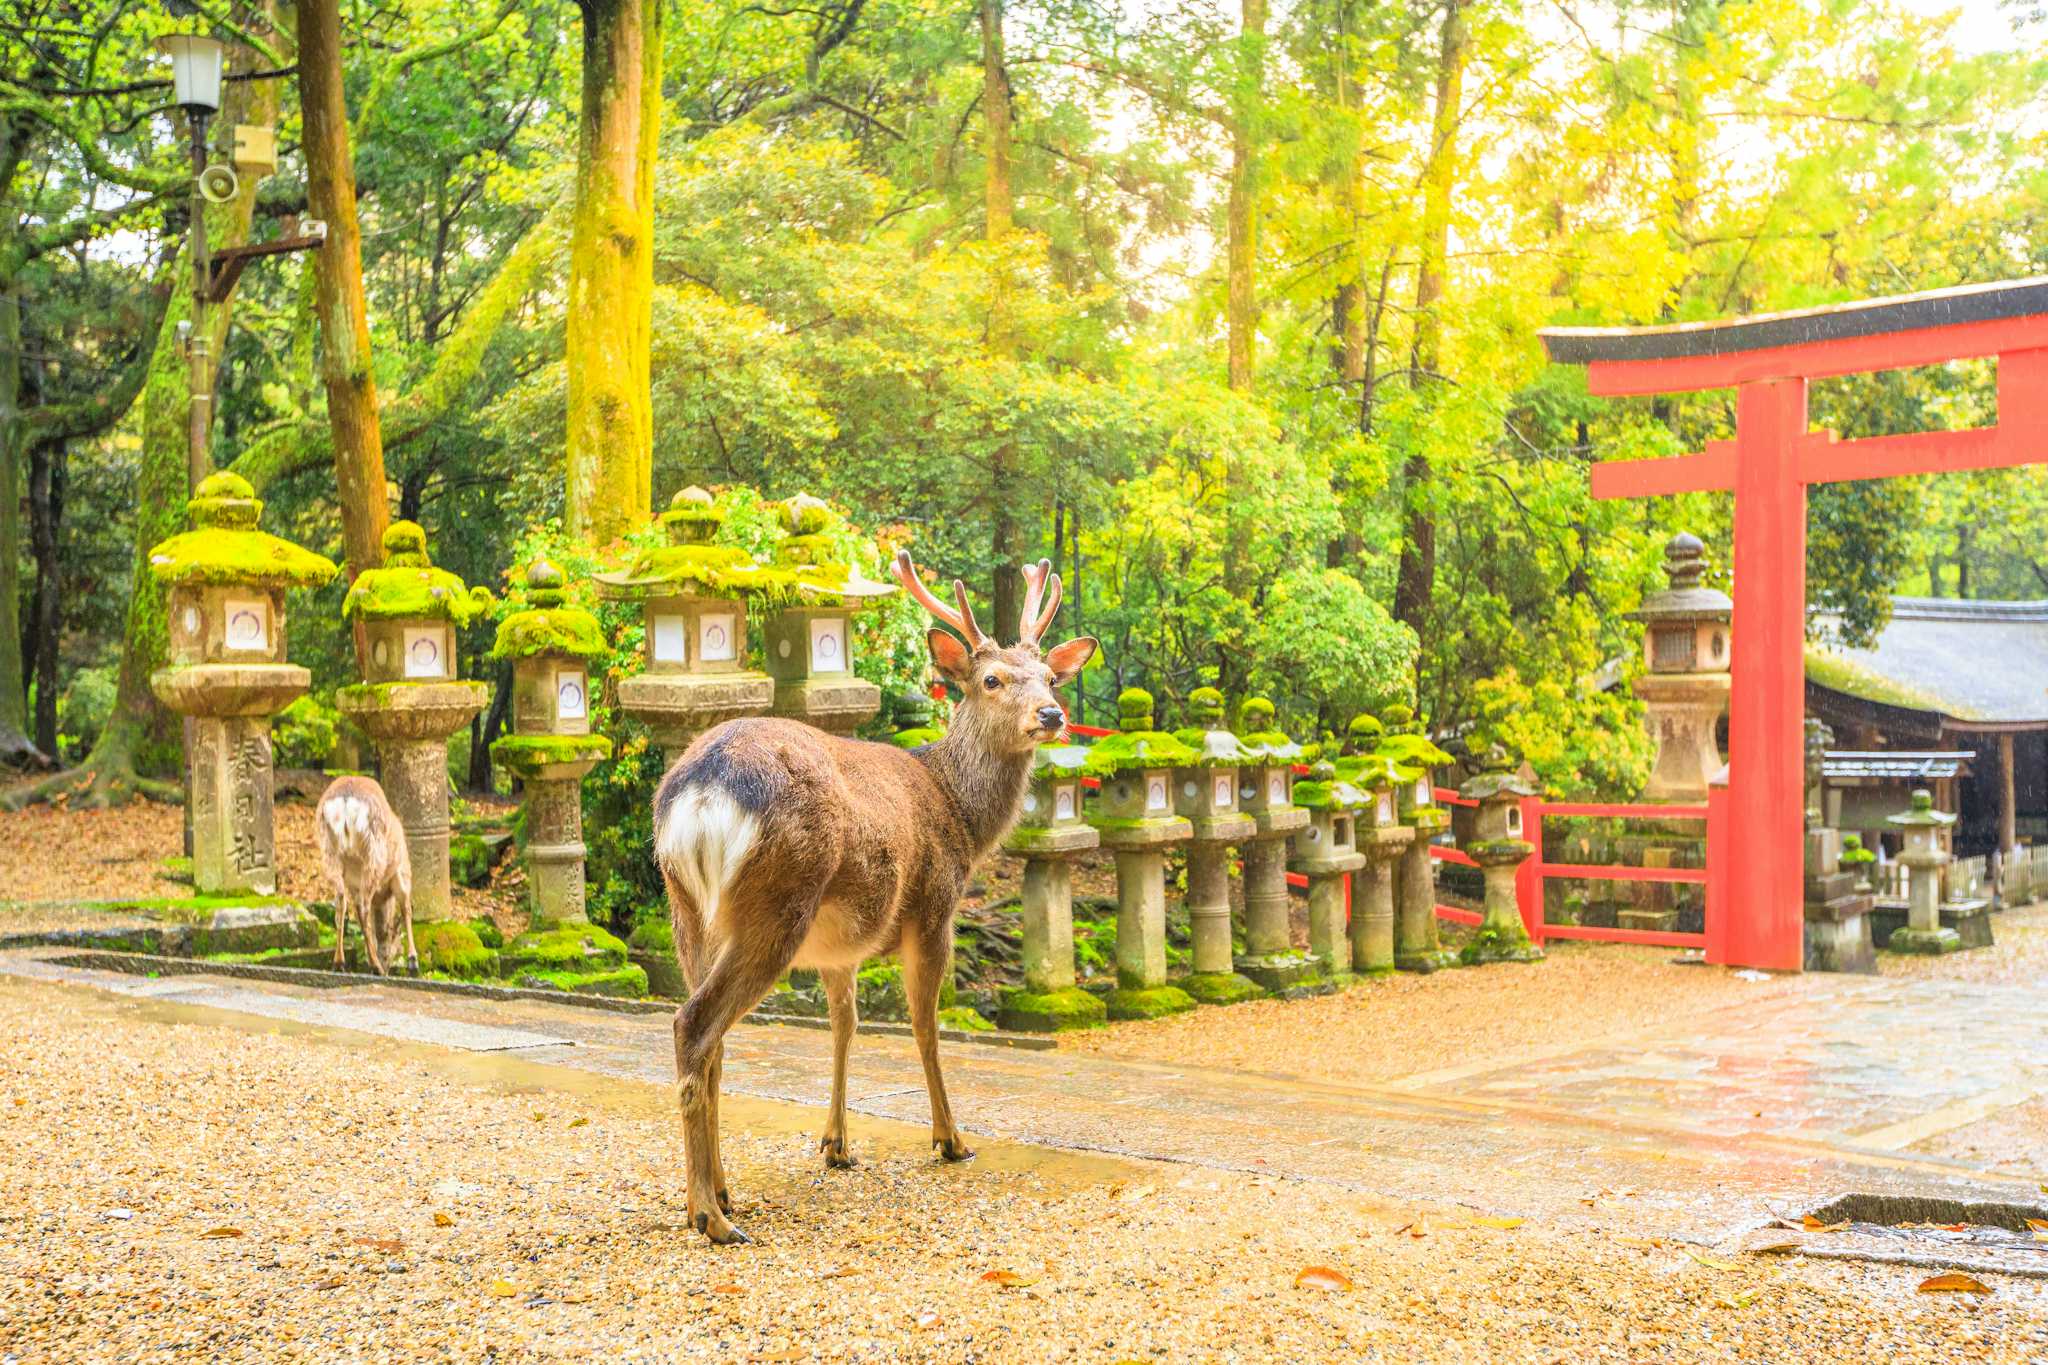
(1416, 945)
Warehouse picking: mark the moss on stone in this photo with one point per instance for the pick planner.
(965, 1019)
(654, 934)
(917, 736)
(550, 630)
(469, 860)
(1147, 1002)
(626, 982)
(453, 949)
(1132, 750)
(1490, 944)
(525, 754)
(487, 931)
(1050, 1011)
(1221, 988)
(564, 947)
(409, 586)
(217, 555)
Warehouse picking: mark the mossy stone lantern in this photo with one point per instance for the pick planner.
(912, 713)
(551, 749)
(1049, 833)
(1326, 852)
(1500, 847)
(1685, 683)
(808, 641)
(1134, 815)
(226, 671)
(1206, 793)
(695, 596)
(1383, 839)
(1265, 792)
(1417, 947)
(408, 704)
(1922, 828)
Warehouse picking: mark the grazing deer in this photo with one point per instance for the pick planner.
(363, 847)
(784, 846)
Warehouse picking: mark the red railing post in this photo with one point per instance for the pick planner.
(1529, 876)
(1719, 855)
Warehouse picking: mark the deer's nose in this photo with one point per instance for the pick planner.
(1051, 717)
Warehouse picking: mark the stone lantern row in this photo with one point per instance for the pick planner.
(227, 671)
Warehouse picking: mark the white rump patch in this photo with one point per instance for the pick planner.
(347, 819)
(703, 842)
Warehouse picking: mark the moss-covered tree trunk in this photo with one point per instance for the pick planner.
(610, 445)
(999, 205)
(1241, 215)
(345, 368)
(13, 699)
(1415, 579)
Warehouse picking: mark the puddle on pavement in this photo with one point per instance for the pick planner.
(1053, 1170)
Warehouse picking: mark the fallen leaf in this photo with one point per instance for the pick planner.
(1741, 1298)
(1710, 1262)
(501, 1289)
(1813, 1224)
(839, 1273)
(1008, 1279)
(222, 1232)
(728, 1289)
(578, 1123)
(442, 1220)
(1136, 1193)
(538, 1116)
(334, 1283)
(1322, 1277)
(1773, 1248)
(1952, 1227)
(1955, 1282)
(2038, 1224)
(389, 1245)
(1497, 1222)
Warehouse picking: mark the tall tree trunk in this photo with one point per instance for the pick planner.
(13, 695)
(1241, 305)
(610, 471)
(46, 502)
(1000, 209)
(1415, 580)
(345, 367)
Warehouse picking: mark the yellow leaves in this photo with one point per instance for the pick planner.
(1322, 1277)
(220, 1232)
(442, 1220)
(578, 1122)
(2039, 1227)
(1741, 1298)
(1504, 1223)
(1008, 1279)
(501, 1289)
(1954, 1282)
(1710, 1262)
(1813, 1224)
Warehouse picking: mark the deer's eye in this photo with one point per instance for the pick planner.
(991, 682)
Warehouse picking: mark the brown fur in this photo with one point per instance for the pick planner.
(859, 849)
(371, 871)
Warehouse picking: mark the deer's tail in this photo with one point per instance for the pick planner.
(707, 818)
(347, 819)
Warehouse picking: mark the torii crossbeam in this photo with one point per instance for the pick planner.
(1769, 359)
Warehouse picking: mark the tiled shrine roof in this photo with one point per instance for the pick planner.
(1972, 663)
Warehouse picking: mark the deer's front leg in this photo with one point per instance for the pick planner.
(839, 999)
(926, 960)
(340, 926)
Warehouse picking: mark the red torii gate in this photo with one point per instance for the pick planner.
(1769, 360)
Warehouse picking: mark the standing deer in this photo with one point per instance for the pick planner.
(363, 848)
(782, 846)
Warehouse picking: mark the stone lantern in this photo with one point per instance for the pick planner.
(226, 671)
(1049, 834)
(911, 712)
(1685, 686)
(1499, 847)
(551, 749)
(408, 703)
(1326, 852)
(1924, 856)
(808, 642)
(1382, 838)
(1206, 794)
(1417, 947)
(1134, 815)
(1265, 791)
(694, 597)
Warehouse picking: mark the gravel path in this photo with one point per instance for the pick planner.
(392, 1202)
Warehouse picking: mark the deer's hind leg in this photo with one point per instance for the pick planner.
(689, 946)
(340, 924)
(840, 1000)
(737, 973)
(927, 957)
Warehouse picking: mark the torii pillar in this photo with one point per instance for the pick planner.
(1756, 919)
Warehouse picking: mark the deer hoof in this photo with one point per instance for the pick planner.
(836, 1156)
(412, 965)
(721, 1232)
(952, 1148)
(725, 1202)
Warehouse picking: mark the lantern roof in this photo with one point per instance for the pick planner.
(1136, 744)
(1325, 790)
(408, 586)
(224, 547)
(548, 626)
(1684, 599)
(1255, 719)
(1922, 813)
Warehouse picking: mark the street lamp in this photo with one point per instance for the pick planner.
(195, 77)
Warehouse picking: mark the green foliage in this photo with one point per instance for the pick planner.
(303, 734)
(83, 709)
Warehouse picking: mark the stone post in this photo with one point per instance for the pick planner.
(408, 704)
(1924, 858)
(1266, 793)
(1327, 854)
(1417, 948)
(1499, 849)
(1049, 834)
(1134, 815)
(1207, 795)
(1382, 839)
(226, 673)
(809, 642)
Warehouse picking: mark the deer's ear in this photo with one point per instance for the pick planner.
(1067, 660)
(949, 655)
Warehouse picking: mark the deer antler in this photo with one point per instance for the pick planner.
(961, 620)
(1033, 622)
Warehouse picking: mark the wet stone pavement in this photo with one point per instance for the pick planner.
(1705, 1132)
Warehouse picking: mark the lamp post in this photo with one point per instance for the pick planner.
(195, 78)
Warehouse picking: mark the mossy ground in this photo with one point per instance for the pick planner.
(627, 982)
(1147, 1002)
(452, 948)
(1221, 988)
(1494, 945)
(965, 1019)
(1050, 1011)
(564, 948)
